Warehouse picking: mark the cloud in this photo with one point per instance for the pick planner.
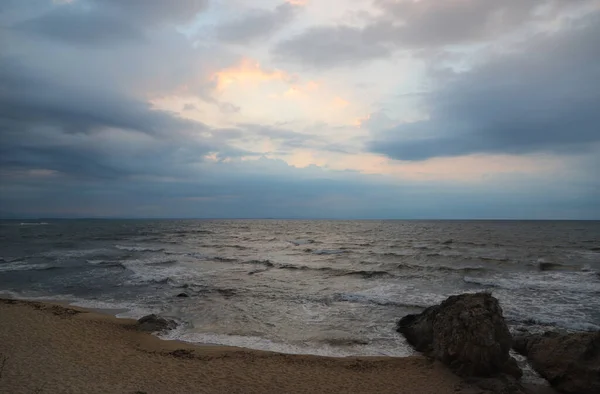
(114, 108)
(157, 11)
(107, 21)
(82, 26)
(543, 97)
(416, 26)
(257, 24)
(287, 138)
(95, 134)
(247, 72)
(330, 46)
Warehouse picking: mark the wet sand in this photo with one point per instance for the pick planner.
(51, 348)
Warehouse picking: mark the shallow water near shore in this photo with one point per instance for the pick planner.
(297, 286)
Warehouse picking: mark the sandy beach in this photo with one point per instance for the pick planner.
(49, 348)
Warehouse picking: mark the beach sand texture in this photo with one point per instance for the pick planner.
(54, 349)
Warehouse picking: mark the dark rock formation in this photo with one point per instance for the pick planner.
(570, 362)
(154, 323)
(467, 332)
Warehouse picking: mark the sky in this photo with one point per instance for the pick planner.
(395, 109)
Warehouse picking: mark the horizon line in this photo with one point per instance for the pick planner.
(293, 218)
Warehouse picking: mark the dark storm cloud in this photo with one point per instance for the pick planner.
(542, 98)
(106, 21)
(256, 24)
(92, 133)
(83, 26)
(410, 25)
(157, 11)
(25, 96)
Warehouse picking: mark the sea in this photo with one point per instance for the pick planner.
(323, 287)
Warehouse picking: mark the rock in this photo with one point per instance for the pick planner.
(154, 323)
(570, 362)
(182, 295)
(501, 384)
(467, 332)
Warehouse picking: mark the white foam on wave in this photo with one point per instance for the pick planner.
(133, 248)
(131, 310)
(547, 298)
(34, 224)
(589, 254)
(23, 266)
(151, 271)
(96, 262)
(196, 255)
(396, 294)
(399, 348)
(36, 297)
(529, 374)
(299, 242)
(580, 282)
(62, 254)
(128, 310)
(329, 251)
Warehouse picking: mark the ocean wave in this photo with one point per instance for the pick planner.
(550, 266)
(369, 274)
(196, 255)
(299, 267)
(129, 310)
(329, 251)
(344, 341)
(394, 295)
(319, 348)
(139, 248)
(225, 259)
(164, 262)
(438, 268)
(185, 232)
(576, 282)
(225, 246)
(34, 224)
(68, 254)
(105, 263)
(202, 289)
(336, 271)
(488, 258)
(298, 242)
(266, 263)
(395, 254)
(126, 310)
(541, 324)
(158, 271)
(27, 267)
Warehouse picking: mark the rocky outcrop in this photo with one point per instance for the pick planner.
(467, 332)
(155, 323)
(570, 362)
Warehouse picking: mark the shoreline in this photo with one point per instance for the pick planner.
(56, 348)
(51, 348)
(123, 313)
